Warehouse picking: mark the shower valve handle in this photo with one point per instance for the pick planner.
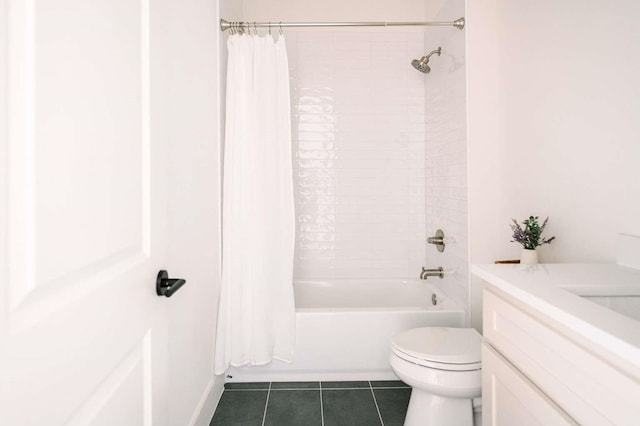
(437, 240)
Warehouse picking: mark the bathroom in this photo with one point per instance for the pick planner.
(467, 208)
(535, 101)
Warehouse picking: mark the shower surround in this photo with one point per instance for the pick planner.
(380, 154)
(446, 188)
(359, 149)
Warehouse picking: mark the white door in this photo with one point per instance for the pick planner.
(82, 332)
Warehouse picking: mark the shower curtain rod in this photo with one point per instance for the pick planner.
(226, 25)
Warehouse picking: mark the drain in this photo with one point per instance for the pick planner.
(434, 299)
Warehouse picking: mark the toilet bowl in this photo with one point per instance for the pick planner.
(442, 365)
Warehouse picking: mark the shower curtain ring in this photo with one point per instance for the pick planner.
(269, 27)
(280, 27)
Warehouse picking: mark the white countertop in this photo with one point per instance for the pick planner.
(555, 290)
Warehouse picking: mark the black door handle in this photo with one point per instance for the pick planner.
(166, 286)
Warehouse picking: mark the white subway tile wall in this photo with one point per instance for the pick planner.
(446, 154)
(359, 153)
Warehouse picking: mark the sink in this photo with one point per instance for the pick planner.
(628, 306)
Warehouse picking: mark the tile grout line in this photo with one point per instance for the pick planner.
(321, 405)
(376, 402)
(266, 404)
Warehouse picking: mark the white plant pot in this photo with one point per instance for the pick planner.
(529, 257)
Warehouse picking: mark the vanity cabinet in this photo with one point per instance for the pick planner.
(537, 371)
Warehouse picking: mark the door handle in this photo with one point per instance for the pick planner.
(166, 286)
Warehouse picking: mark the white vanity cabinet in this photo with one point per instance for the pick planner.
(543, 365)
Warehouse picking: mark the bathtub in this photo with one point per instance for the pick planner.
(343, 328)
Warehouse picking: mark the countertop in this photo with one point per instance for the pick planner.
(555, 290)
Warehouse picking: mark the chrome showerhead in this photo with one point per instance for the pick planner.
(422, 64)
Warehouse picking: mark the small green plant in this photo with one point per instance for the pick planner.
(531, 235)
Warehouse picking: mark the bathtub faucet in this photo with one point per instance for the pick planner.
(426, 273)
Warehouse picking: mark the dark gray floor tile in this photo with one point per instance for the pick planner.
(389, 384)
(240, 408)
(354, 407)
(294, 408)
(245, 386)
(343, 385)
(393, 405)
(295, 385)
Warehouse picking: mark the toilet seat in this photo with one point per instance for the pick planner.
(442, 348)
(437, 365)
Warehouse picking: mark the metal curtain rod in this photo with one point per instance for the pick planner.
(226, 25)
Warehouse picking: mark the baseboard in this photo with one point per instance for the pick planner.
(245, 374)
(208, 403)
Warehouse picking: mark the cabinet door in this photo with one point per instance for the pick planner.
(509, 398)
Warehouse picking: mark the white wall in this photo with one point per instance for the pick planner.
(573, 94)
(332, 10)
(191, 30)
(568, 111)
(553, 125)
(201, 128)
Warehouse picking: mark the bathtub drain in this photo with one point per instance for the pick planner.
(434, 299)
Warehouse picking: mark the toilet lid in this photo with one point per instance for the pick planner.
(440, 344)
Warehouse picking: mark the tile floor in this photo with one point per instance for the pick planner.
(313, 403)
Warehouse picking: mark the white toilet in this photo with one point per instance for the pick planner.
(443, 367)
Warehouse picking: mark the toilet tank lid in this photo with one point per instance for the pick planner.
(440, 344)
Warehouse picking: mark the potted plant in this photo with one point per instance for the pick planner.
(530, 236)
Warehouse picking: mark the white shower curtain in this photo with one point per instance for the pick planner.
(256, 317)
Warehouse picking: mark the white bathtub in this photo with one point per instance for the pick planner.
(343, 328)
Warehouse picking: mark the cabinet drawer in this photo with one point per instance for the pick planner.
(509, 398)
(576, 379)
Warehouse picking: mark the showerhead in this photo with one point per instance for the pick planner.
(422, 64)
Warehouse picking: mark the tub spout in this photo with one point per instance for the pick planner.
(426, 273)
